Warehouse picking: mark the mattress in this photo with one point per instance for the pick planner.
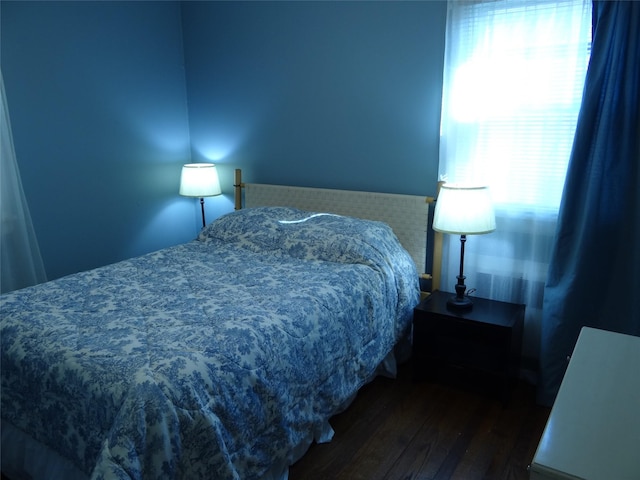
(218, 358)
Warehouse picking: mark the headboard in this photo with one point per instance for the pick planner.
(407, 215)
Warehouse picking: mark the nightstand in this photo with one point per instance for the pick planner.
(479, 347)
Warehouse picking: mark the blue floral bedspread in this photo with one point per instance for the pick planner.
(211, 359)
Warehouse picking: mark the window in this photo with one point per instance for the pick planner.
(513, 81)
(515, 76)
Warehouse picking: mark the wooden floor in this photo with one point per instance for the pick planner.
(403, 429)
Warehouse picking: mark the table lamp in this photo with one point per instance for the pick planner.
(199, 180)
(463, 210)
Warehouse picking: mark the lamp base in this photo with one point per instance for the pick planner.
(459, 303)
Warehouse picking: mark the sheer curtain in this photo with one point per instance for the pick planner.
(20, 261)
(513, 80)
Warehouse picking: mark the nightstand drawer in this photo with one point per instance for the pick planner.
(463, 343)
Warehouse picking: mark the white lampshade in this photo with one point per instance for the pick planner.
(464, 210)
(199, 180)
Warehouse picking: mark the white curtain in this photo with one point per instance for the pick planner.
(513, 80)
(20, 261)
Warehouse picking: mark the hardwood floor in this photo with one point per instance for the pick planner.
(403, 429)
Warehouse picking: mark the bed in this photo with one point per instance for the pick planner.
(224, 357)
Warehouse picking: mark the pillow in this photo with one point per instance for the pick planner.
(336, 238)
(306, 235)
(257, 229)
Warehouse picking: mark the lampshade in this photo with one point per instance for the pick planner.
(199, 180)
(464, 210)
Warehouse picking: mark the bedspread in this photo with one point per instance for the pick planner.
(210, 359)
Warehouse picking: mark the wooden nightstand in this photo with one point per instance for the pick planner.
(480, 347)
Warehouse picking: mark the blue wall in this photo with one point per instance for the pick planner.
(109, 99)
(97, 99)
(327, 94)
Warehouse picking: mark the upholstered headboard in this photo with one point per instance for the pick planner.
(407, 215)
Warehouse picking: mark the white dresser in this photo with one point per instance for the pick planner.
(593, 431)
